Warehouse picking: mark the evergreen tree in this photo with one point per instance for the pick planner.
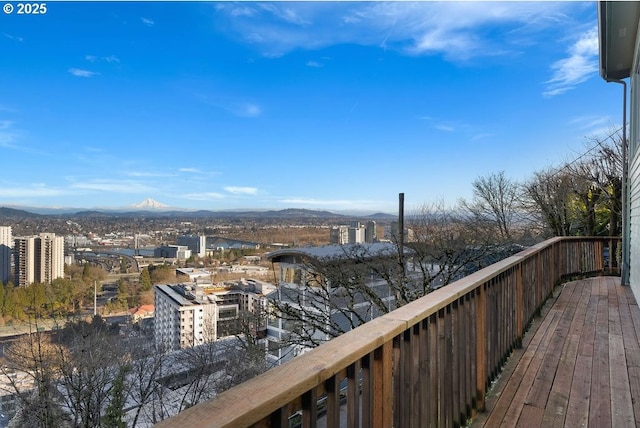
(145, 280)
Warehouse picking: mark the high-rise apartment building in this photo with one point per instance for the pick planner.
(38, 258)
(339, 235)
(50, 249)
(5, 253)
(371, 233)
(355, 233)
(24, 256)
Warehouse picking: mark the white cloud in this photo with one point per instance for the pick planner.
(198, 174)
(238, 190)
(12, 37)
(441, 125)
(93, 149)
(37, 190)
(234, 106)
(590, 122)
(11, 138)
(115, 186)
(5, 124)
(93, 59)
(242, 10)
(457, 30)
(147, 174)
(580, 65)
(596, 126)
(246, 110)
(286, 13)
(482, 136)
(146, 21)
(82, 73)
(445, 128)
(8, 136)
(252, 110)
(314, 64)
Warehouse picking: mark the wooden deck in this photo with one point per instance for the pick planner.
(579, 364)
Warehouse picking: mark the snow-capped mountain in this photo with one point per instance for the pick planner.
(150, 203)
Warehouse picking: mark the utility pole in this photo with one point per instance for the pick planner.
(95, 298)
(401, 229)
(401, 249)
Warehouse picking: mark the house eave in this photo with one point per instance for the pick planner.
(617, 31)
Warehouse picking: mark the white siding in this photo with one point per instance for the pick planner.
(634, 180)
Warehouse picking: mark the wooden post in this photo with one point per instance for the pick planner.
(383, 386)
(310, 408)
(481, 353)
(353, 395)
(367, 390)
(519, 305)
(332, 387)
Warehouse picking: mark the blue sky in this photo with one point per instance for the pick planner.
(320, 105)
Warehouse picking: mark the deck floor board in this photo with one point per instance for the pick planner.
(579, 365)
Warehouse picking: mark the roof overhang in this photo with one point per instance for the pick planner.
(617, 28)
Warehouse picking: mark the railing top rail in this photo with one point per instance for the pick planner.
(283, 384)
(430, 304)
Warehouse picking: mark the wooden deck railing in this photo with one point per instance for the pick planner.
(426, 364)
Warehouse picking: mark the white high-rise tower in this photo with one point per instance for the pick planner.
(51, 263)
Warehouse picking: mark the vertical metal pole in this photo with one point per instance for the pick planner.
(95, 298)
(626, 249)
(398, 292)
(626, 207)
(401, 228)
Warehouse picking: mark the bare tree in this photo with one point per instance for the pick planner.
(609, 159)
(495, 200)
(31, 367)
(583, 196)
(588, 191)
(448, 244)
(548, 199)
(91, 362)
(146, 391)
(326, 295)
(331, 294)
(242, 360)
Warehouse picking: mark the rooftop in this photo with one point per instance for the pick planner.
(327, 252)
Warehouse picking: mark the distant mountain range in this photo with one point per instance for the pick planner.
(151, 208)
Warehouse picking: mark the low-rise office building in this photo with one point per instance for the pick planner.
(179, 252)
(194, 275)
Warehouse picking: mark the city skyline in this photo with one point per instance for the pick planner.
(315, 105)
